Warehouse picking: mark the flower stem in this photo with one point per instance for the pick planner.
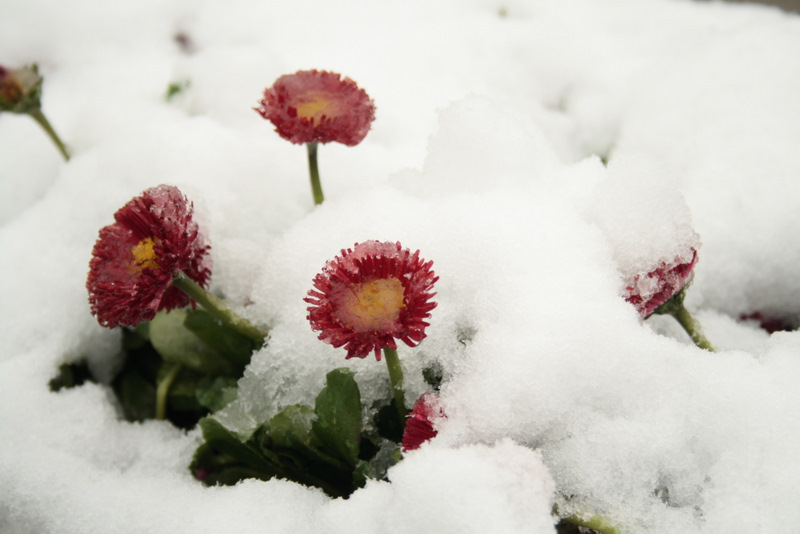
(313, 169)
(396, 378)
(598, 524)
(39, 117)
(216, 307)
(692, 327)
(162, 390)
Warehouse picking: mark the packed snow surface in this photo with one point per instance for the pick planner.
(539, 152)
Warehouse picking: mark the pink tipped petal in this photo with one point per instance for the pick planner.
(369, 296)
(318, 107)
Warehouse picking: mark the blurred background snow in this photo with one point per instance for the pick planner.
(536, 151)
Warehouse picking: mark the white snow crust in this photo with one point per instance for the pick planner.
(495, 121)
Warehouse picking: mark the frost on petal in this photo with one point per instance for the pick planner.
(640, 209)
(648, 291)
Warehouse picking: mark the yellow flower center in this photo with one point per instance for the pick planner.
(371, 306)
(144, 256)
(314, 105)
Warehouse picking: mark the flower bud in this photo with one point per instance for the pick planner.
(20, 89)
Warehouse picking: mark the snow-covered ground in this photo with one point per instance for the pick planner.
(494, 120)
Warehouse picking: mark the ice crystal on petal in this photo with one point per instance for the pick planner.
(318, 106)
(370, 296)
(420, 423)
(649, 291)
(135, 259)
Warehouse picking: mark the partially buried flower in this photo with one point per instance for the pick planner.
(20, 89)
(318, 106)
(649, 291)
(420, 424)
(135, 259)
(371, 295)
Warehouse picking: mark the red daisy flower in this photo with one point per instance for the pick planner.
(370, 296)
(650, 291)
(419, 426)
(318, 106)
(135, 259)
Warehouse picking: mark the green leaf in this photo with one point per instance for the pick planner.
(136, 338)
(176, 88)
(291, 436)
(316, 447)
(183, 408)
(224, 459)
(262, 441)
(362, 472)
(141, 330)
(177, 344)
(230, 344)
(70, 375)
(295, 419)
(338, 409)
(134, 385)
(388, 423)
(216, 392)
(382, 462)
(367, 448)
(137, 396)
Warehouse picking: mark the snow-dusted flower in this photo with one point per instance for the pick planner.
(318, 106)
(420, 422)
(371, 295)
(135, 259)
(649, 291)
(20, 89)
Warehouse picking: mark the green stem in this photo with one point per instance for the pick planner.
(163, 390)
(39, 117)
(217, 307)
(396, 378)
(313, 170)
(692, 327)
(598, 524)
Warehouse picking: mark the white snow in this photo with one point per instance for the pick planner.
(493, 122)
